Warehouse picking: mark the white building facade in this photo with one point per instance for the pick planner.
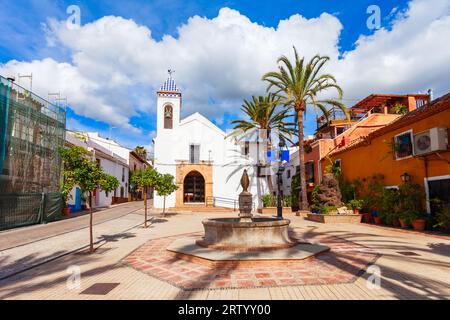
(206, 163)
(110, 162)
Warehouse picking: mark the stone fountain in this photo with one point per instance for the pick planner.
(244, 240)
(246, 233)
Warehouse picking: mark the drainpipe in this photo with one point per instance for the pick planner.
(425, 162)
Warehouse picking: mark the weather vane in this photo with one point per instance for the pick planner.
(170, 71)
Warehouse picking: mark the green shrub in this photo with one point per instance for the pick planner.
(442, 218)
(268, 200)
(327, 209)
(390, 207)
(295, 188)
(355, 204)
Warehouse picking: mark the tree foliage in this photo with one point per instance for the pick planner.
(165, 184)
(141, 179)
(80, 170)
(263, 112)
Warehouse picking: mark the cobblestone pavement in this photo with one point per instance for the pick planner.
(342, 264)
(412, 266)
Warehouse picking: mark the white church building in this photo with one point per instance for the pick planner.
(206, 163)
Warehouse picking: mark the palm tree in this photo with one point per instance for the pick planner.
(263, 114)
(298, 86)
(141, 151)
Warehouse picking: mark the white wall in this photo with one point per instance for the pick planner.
(226, 156)
(109, 166)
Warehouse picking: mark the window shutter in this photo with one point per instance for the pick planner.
(194, 153)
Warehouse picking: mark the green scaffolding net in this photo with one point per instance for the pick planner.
(31, 131)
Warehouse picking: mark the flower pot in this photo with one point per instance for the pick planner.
(378, 220)
(419, 224)
(67, 211)
(356, 211)
(396, 223)
(403, 223)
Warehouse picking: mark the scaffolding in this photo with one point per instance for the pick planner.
(31, 131)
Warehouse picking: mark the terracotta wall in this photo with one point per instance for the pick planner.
(364, 161)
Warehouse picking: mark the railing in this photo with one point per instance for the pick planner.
(226, 202)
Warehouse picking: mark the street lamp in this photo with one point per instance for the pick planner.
(280, 171)
(406, 177)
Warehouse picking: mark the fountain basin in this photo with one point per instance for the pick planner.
(255, 235)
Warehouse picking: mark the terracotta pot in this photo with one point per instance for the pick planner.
(356, 211)
(396, 223)
(419, 224)
(67, 211)
(378, 220)
(403, 223)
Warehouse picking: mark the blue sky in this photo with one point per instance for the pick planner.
(23, 38)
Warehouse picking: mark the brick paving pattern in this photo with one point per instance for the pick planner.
(342, 264)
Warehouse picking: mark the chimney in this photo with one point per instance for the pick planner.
(430, 93)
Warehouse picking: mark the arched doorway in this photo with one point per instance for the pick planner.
(194, 188)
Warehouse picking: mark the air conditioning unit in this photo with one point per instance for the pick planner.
(432, 140)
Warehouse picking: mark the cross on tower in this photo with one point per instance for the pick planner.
(170, 71)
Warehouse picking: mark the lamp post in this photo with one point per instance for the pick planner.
(280, 171)
(406, 177)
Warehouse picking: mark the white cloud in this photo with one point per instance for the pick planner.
(413, 56)
(116, 65)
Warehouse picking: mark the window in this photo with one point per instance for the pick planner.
(340, 130)
(134, 167)
(309, 168)
(438, 188)
(123, 174)
(194, 153)
(337, 163)
(122, 192)
(246, 149)
(403, 145)
(168, 117)
(288, 174)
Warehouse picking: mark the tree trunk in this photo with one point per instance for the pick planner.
(164, 206)
(303, 198)
(91, 216)
(145, 207)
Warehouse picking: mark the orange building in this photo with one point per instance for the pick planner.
(421, 151)
(368, 115)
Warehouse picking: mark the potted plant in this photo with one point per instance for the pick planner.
(356, 205)
(419, 221)
(376, 217)
(405, 219)
(389, 207)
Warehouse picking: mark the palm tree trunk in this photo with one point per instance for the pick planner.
(145, 207)
(91, 234)
(301, 157)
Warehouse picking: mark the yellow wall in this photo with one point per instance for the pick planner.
(374, 158)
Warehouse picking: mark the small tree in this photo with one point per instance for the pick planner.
(165, 186)
(144, 179)
(80, 170)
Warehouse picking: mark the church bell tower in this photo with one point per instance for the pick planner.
(168, 106)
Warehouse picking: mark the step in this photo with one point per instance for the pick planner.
(198, 208)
